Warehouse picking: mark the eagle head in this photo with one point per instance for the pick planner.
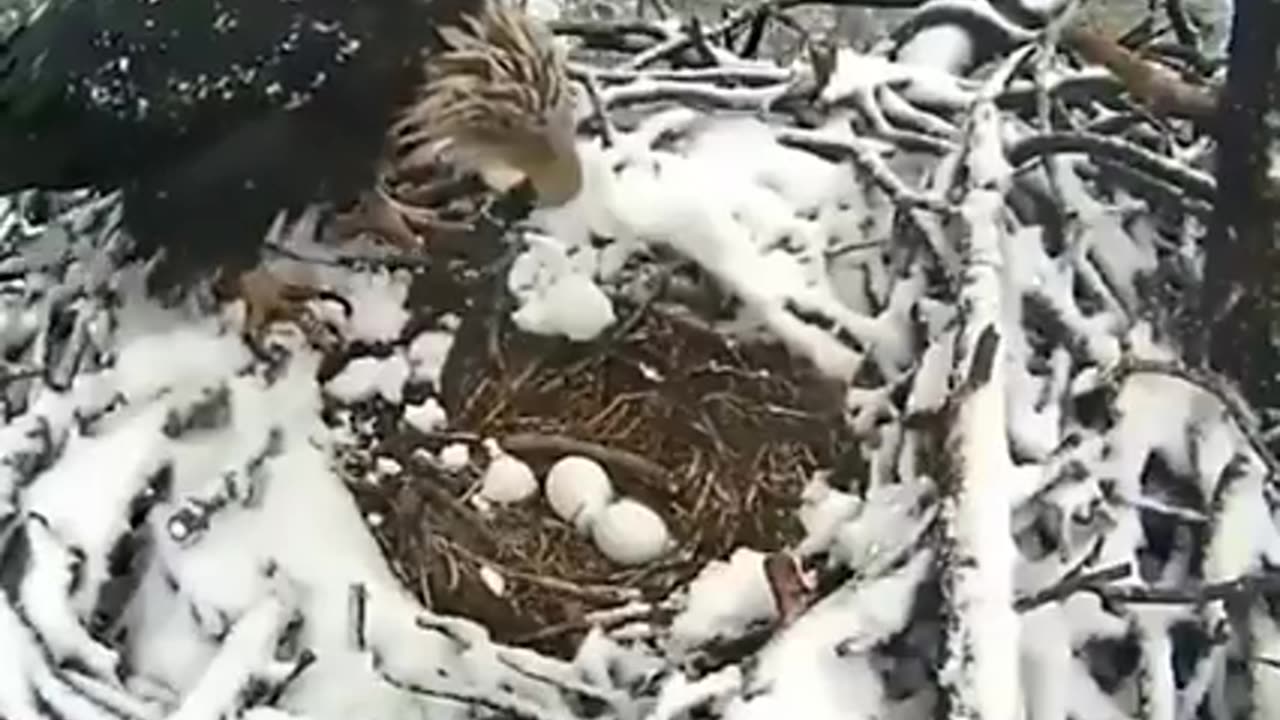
(496, 98)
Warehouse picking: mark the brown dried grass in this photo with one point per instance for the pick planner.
(716, 436)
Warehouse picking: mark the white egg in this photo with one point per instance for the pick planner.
(578, 488)
(508, 480)
(629, 533)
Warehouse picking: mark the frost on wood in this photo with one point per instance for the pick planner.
(980, 661)
(176, 542)
(1047, 510)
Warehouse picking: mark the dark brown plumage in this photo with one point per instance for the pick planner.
(213, 116)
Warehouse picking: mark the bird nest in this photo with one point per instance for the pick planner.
(717, 436)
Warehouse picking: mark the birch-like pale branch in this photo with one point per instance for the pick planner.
(980, 658)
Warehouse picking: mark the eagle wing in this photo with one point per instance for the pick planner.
(92, 91)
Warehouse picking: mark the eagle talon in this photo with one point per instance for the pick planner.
(347, 308)
(375, 214)
(405, 225)
(269, 299)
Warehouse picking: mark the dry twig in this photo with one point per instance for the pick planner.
(657, 477)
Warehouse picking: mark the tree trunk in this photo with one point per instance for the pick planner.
(1242, 276)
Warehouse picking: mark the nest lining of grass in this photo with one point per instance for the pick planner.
(717, 436)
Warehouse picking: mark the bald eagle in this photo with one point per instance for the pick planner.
(212, 117)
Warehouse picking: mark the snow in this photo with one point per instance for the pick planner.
(427, 354)
(176, 538)
(1046, 663)
(367, 377)
(455, 456)
(550, 314)
(427, 416)
(555, 298)
(679, 696)
(823, 511)
(983, 659)
(544, 9)
(493, 580)
(801, 671)
(247, 650)
(378, 312)
(43, 597)
(753, 235)
(858, 75)
(887, 524)
(387, 466)
(944, 47)
(724, 599)
(255, 543)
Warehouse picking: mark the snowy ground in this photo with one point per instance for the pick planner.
(1049, 515)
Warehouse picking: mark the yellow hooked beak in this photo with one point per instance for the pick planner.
(549, 159)
(556, 171)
